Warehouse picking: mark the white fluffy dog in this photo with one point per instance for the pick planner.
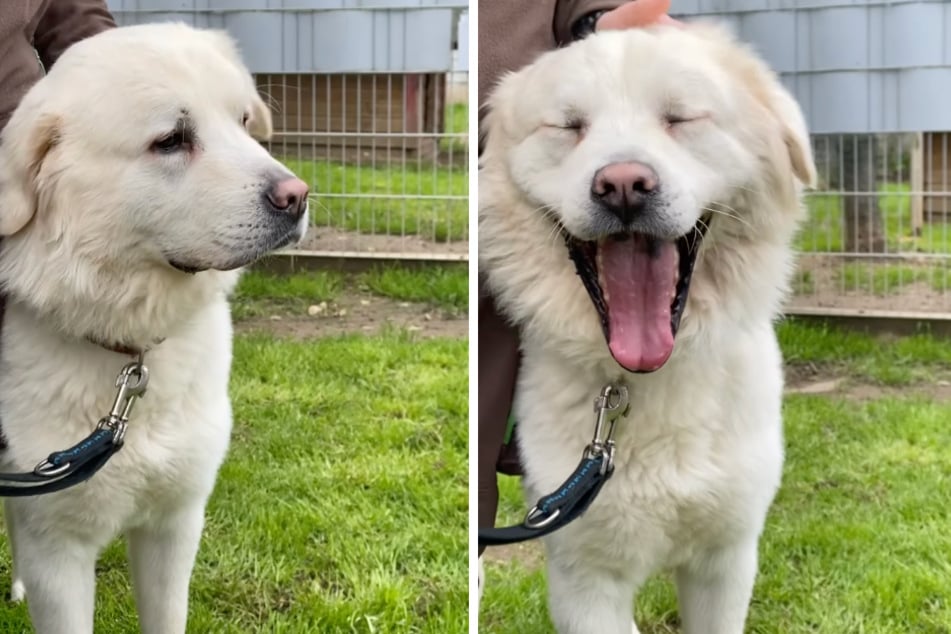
(662, 161)
(131, 190)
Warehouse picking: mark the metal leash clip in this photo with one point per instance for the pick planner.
(611, 404)
(132, 381)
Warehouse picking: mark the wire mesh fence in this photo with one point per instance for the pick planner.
(386, 155)
(871, 77)
(877, 239)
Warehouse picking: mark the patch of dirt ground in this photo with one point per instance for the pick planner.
(827, 290)
(529, 554)
(817, 380)
(334, 240)
(359, 313)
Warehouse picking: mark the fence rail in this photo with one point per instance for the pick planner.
(878, 235)
(386, 156)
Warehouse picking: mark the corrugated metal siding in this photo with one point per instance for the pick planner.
(856, 66)
(462, 50)
(319, 36)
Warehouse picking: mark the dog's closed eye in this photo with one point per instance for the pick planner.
(571, 123)
(672, 120)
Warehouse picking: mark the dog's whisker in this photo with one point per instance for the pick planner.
(273, 104)
(312, 200)
(725, 206)
(727, 214)
(551, 214)
(751, 190)
(553, 235)
(696, 238)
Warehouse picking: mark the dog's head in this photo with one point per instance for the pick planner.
(633, 145)
(148, 130)
(137, 153)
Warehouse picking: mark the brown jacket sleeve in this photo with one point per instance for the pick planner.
(514, 32)
(65, 22)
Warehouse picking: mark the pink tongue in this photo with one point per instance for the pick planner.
(639, 286)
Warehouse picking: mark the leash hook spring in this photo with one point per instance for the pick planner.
(132, 382)
(611, 404)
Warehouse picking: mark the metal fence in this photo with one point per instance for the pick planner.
(872, 77)
(386, 156)
(877, 238)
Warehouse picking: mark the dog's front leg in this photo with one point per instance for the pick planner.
(56, 571)
(586, 599)
(715, 588)
(162, 556)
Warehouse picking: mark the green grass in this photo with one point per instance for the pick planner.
(879, 280)
(260, 293)
(446, 286)
(803, 283)
(824, 227)
(457, 117)
(393, 198)
(457, 122)
(324, 285)
(342, 505)
(857, 539)
(863, 357)
(881, 277)
(823, 232)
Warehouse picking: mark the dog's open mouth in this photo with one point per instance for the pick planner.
(638, 284)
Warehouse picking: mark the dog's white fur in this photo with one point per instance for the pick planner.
(91, 215)
(699, 457)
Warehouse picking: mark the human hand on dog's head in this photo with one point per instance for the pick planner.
(636, 14)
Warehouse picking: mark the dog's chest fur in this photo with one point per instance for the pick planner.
(54, 390)
(698, 457)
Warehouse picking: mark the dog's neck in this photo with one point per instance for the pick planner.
(116, 306)
(123, 349)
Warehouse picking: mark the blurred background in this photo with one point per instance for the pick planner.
(874, 80)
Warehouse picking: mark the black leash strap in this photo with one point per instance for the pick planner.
(555, 510)
(63, 469)
(69, 467)
(570, 500)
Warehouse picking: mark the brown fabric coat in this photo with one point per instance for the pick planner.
(34, 33)
(511, 34)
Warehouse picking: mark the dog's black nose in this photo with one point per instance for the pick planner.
(624, 188)
(288, 195)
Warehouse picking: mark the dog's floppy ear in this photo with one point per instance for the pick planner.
(768, 90)
(795, 132)
(259, 121)
(26, 142)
